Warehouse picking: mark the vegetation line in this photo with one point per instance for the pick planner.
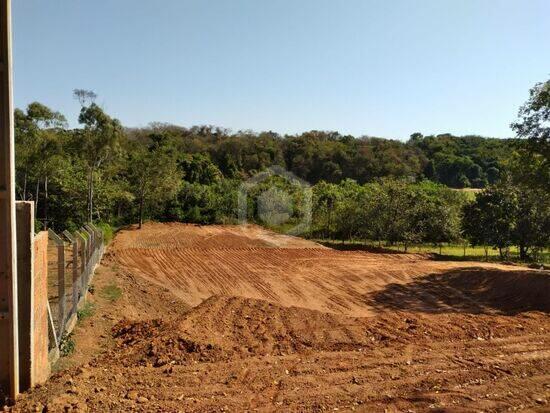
(382, 190)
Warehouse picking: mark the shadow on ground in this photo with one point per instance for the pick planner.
(469, 290)
(337, 245)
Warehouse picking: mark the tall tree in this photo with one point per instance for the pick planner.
(154, 175)
(98, 142)
(490, 220)
(38, 141)
(534, 125)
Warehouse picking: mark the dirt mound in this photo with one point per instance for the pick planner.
(197, 262)
(228, 328)
(224, 328)
(158, 343)
(350, 283)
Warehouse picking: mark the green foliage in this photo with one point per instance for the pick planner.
(204, 204)
(86, 311)
(67, 345)
(507, 214)
(198, 168)
(108, 231)
(534, 125)
(489, 220)
(97, 144)
(389, 210)
(365, 188)
(104, 173)
(466, 161)
(317, 156)
(153, 174)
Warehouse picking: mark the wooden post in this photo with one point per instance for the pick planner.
(60, 279)
(9, 347)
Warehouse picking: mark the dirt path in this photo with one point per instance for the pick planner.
(241, 319)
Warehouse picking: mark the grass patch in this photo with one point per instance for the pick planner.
(470, 253)
(108, 231)
(67, 345)
(86, 311)
(448, 251)
(111, 292)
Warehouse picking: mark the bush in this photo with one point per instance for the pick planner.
(67, 345)
(108, 231)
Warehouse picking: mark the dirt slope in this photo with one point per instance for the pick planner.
(189, 260)
(240, 319)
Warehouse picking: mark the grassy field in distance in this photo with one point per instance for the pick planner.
(449, 251)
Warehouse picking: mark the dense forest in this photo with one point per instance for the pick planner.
(458, 162)
(371, 188)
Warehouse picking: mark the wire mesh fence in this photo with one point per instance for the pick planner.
(72, 258)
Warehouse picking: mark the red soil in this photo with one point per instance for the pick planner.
(283, 324)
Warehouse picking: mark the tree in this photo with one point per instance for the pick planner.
(491, 218)
(442, 213)
(532, 227)
(84, 97)
(38, 145)
(534, 125)
(375, 213)
(98, 142)
(348, 210)
(325, 197)
(154, 175)
(199, 168)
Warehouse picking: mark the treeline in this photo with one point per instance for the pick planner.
(368, 188)
(458, 162)
(386, 212)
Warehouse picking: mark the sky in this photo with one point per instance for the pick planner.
(360, 67)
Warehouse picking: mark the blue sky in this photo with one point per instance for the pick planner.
(379, 68)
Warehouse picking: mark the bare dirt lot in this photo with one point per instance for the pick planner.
(223, 318)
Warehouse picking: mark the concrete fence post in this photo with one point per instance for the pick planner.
(75, 291)
(60, 280)
(83, 260)
(92, 238)
(24, 217)
(32, 278)
(89, 260)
